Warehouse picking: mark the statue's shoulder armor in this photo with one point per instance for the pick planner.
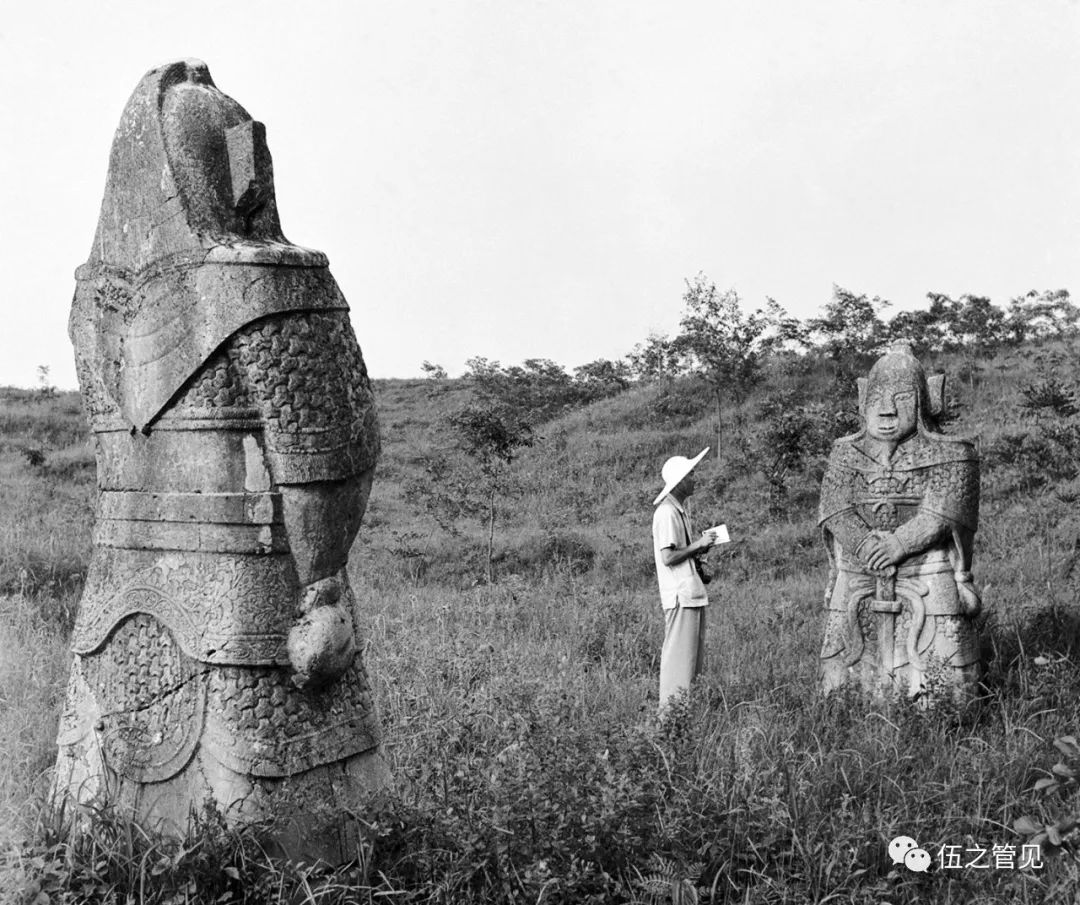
(847, 454)
(842, 473)
(938, 449)
(952, 491)
(306, 376)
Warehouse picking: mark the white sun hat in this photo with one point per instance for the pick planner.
(675, 469)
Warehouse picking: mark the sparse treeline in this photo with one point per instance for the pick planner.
(719, 340)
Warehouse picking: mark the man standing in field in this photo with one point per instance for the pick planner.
(682, 586)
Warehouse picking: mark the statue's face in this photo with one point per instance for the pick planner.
(891, 413)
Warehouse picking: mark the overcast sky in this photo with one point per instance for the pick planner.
(537, 179)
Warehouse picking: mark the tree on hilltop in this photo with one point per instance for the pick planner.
(492, 441)
(971, 325)
(540, 390)
(470, 478)
(923, 330)
(722, 343)
(785, 332)
(45, 389)
(1041, 314)
(657, 358)
(850, 328)
(537, 390)
(602, 377)
(433, 371)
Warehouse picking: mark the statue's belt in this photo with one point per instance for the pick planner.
(912, 593)
(248, 522)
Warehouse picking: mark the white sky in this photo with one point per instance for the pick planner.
(536, 179)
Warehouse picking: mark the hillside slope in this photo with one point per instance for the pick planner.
(588, 484)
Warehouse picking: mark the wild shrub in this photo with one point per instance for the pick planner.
(533, 554)
(1051, 395)
(1048, 453)
(34, 455)
(681, 404)
(1033, 459)
(788, 435)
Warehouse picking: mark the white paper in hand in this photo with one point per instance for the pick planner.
(721, 532)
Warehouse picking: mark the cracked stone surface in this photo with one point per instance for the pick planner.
(216, 652)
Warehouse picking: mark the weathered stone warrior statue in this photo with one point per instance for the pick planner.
(899, 509)
(215, 647)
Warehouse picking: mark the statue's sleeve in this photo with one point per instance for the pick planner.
(837, 514)
(921, 531)
(953, 489)
(950, 502)
(306, 376)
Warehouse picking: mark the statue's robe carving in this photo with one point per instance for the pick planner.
(236, 441)
(924, 496)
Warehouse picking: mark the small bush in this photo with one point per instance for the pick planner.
(34, 455)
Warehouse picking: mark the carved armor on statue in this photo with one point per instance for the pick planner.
(215, 647)
(899, 510)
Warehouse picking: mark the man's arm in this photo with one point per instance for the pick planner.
(672, 556)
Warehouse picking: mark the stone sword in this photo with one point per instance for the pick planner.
(887, 608)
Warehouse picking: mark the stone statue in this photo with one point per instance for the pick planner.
(215, 655)
(899, 509)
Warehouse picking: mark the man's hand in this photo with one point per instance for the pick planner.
(707, 540)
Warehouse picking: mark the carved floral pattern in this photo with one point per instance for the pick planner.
(221, 608)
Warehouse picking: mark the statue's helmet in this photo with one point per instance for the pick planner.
(190, 180)
(899, 371)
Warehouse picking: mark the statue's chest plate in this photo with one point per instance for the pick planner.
(886, 498)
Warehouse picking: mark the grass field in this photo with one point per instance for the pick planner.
(520, 715)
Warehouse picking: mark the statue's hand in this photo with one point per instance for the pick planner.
(886, 551)
(869, 549)
(324, 592)
(322, 642)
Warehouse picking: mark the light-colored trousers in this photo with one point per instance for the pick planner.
(683, 655)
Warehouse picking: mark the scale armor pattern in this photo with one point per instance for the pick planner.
(296, 384)
(261, 725)
(219, 384)
(151, 699)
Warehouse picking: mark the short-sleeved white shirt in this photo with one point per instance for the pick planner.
(680, 585)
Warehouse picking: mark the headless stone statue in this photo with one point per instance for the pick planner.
(215, 647)
(899, 509)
